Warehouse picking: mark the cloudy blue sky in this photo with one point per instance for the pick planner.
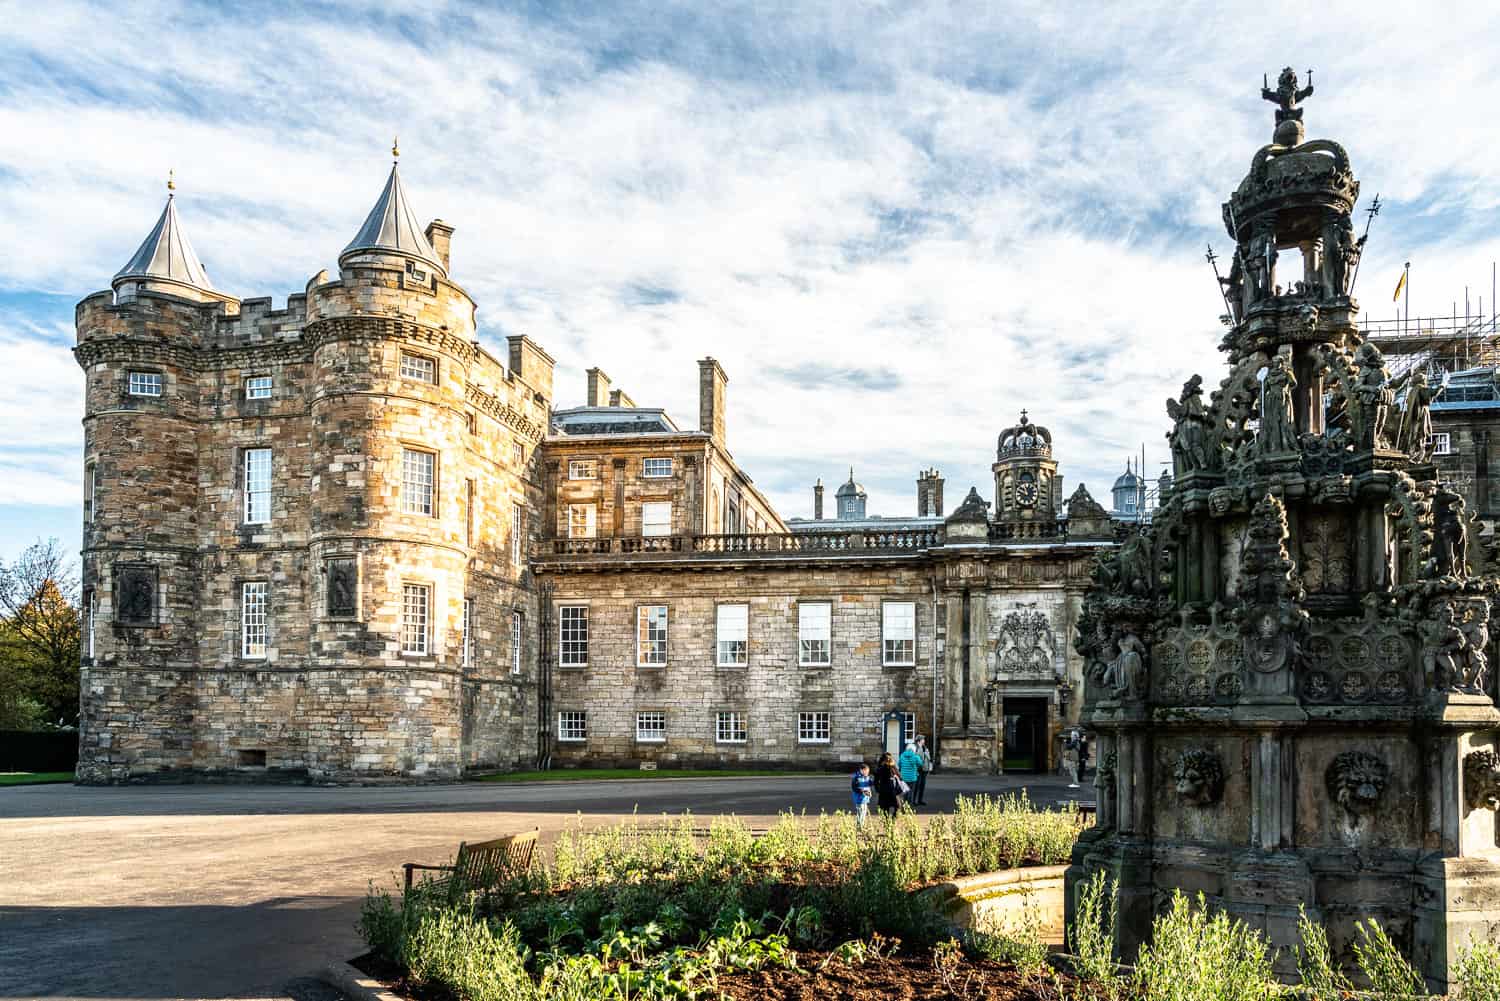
(895, 224)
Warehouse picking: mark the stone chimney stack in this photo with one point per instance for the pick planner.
(598, 395)
(620, 398)
(440, 235)
(818, 499)
(711, 383)
(929, 493)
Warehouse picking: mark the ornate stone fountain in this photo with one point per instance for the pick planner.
(1288, 667)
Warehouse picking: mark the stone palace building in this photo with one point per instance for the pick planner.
(343, 541)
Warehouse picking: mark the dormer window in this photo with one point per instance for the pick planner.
(417, 274)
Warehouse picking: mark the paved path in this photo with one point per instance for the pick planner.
(245, 891)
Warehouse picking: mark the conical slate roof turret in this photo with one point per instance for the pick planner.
(166, 256)
(392, 228)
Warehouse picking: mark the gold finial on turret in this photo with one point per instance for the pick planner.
(396, 148)
(171, 182)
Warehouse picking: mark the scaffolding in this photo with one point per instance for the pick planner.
(1436, 346)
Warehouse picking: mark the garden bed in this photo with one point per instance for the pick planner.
(815, 907)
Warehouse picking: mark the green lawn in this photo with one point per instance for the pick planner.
(33, 778)
(582, 774)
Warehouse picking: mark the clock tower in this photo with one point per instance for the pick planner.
(1027, 487)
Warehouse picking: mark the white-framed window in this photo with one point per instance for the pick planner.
(258, 387)
(89, 605)
(257, 486)
(573, 635)
(729, 728)
(814, 633)
(582, 521)
(418, 367)
(416, 617)
(1442, 443)
(517, 532)
(734, 634)
(572, 725)
(813, 728)
(466, 634)
(650, 635)
(145, 383)
(518, 453)
(898, 633)
(90, 491)
(651, 727)
(656, 518)
(517, 643)
(583, 469)
(908, 728)
(468, 512)
(653, 468)
(253, 619)
(418, 478)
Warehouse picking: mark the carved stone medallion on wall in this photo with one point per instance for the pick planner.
(343, 587)
(1026, 647)
(1199, 776)
(1356, 780)
(135, 595)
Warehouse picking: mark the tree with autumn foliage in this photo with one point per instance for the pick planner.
(40, 636)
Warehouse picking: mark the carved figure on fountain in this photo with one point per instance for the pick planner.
(1126, 674)
(1450, 536)
(1416, 418)
(1192, 448)
(1278, 423)
(1374, 396)
(1199, 776)
(1355, 780)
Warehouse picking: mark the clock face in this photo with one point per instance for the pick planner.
(1026, 492)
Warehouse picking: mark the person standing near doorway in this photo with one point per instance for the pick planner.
(926, 766)
(861, 791)
(888, 785)
(910, 764)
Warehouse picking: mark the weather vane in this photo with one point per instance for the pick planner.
(171, 182)
(395, 148)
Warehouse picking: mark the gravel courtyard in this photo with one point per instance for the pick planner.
(246, 892)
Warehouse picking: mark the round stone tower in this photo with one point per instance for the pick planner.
(392, 343)
(137, 345)
(1288, 666)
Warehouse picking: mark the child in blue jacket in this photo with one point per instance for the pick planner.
(861, 790)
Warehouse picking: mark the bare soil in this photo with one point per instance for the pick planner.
(896, 978)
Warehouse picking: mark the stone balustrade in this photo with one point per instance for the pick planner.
(746, 544)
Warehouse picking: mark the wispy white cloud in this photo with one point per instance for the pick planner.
(895, 224)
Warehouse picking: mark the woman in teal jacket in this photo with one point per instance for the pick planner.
(910, 764)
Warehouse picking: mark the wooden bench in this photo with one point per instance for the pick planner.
(479, 865)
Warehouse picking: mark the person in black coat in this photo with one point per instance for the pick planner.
(888, 785)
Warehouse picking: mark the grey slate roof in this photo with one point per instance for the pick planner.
(166, 255)
(392, 227)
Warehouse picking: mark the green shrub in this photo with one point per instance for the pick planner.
(1477, 975)
(1020, 943)
(1093, 931)
(1195, 957)
(1390, 975)
(453, 948)
(1320, 978)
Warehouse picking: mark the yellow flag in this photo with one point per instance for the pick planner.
(1399, 286)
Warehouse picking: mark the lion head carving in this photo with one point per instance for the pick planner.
(1356, 779)
(1199, 776)
(1482, 780)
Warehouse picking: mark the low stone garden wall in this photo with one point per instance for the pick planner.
(1005, 902)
